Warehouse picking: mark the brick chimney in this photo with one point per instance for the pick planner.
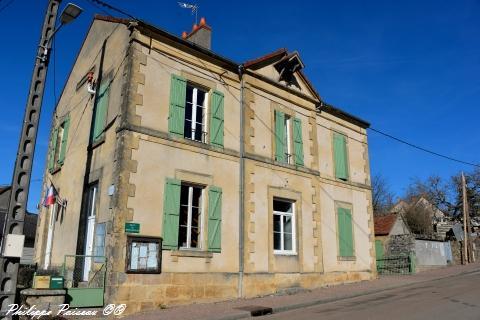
(201, 34)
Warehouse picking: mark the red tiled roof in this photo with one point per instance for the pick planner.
(384, 224)
(271, 56)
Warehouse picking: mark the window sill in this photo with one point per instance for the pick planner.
(192, 253)
(95, 144)
(55, 170)
(284, 253)
(346, 258)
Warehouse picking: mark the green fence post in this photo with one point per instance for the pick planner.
(411, 258)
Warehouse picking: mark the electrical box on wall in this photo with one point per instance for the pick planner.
(14, 245)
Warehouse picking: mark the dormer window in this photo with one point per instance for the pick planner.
(287, 68)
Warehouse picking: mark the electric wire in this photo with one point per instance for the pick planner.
(109, 6)
(424, 149)
(6, 5)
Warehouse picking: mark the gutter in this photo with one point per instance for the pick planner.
(241, 209)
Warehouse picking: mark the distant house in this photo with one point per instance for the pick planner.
(30, 225)
(387, 230)
(441, 222)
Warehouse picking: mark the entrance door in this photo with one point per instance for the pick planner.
(89, 230)
(51, 226)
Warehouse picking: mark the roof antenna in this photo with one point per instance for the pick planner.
(193, 7)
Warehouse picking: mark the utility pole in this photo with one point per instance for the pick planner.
(465, 216)
(23, 164)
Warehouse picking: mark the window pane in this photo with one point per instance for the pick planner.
(287, 241)
(189, 93)
(198, 131)
(182, 236)
(194, 237)
(287, 224)
(200, 97)
(199, 114)
(276, 223)
(197, 194)
(282, 206)
(184, 195)
(277, 241)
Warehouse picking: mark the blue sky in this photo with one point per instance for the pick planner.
(411, 68)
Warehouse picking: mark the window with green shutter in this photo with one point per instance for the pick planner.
(216, 119)
(340, 156)
(214, 219)
(298, 141)
(345, 233)
(63, 146)
(176, 114)
(53, 145)
(171, 213)
(280, 137)
(100, 112)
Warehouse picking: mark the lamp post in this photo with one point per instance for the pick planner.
(13, 237)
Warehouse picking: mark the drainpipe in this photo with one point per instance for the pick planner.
(241, 226)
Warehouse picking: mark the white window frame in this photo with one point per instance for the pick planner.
(282, 251)
(288, 137)
(189, 217)
(195, 109)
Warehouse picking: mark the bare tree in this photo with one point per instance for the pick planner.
(419, 219)
(382, 197)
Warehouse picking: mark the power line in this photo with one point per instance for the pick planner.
(6, 5)
(109, 6)
(424, 149)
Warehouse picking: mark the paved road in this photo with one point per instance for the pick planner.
(456, 298)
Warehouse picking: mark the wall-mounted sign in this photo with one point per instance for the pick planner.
(132, 227)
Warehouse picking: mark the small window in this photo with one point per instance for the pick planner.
(195, 127)
(143, 255)
(99, 241)
(191, 198)
(288, 139)
(284, 241)
(58, 143)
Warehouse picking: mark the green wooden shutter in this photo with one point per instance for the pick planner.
(178, 95)
(214, 219)
(340, 156)
(171, 213)
(216, 120)
(297, 141)
(63, 146)
(345, 232)
(280, 137)
(51, 156)
(101, 108)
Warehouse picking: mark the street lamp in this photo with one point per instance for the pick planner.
(69, 13)
(14, 220)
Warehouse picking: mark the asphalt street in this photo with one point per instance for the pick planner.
(456, 298)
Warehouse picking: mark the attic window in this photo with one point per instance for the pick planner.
(287, 68)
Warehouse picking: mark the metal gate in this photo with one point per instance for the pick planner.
(84, 289)
(396, 265)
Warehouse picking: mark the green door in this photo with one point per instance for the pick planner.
(379, 253)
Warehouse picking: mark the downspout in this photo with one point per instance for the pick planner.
(241, 226)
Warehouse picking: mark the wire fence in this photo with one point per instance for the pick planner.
(80, 271)
(396, 265)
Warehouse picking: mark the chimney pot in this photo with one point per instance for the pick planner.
(184, 35)
(201, 34)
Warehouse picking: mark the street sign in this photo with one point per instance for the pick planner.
(132, 227)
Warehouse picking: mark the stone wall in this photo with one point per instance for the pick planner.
(400, 245)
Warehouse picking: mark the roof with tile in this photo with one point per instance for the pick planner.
(384, 224)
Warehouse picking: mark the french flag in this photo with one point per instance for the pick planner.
(50, 197)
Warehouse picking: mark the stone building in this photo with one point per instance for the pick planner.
(200, 178)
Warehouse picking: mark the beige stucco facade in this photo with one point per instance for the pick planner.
(137, 155)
